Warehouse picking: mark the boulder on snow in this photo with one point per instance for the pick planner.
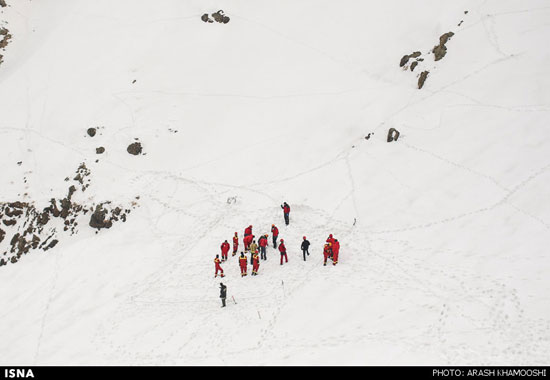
(134, 148)
(406, 58)
(98, 220)
(422, 79)
(100, 150)
(91, 132)
(441, 50)
(393, 134)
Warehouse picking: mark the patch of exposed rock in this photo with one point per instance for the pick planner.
(26, 228)
(218, 17)
(393, 134)
(441, 50)
(135, 148)
(422, 79)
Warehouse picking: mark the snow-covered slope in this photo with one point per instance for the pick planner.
(444, 233)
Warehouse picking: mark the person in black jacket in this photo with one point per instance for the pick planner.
(223, 293)
(305, 247)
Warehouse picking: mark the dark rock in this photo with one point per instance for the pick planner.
(441, 50)
(422, 79)
(9, 222)
(97, 219)
(52, 244)
(2, 235)
(406, 58)
(135, 148)
(413, 65)
(91, 132)
(100, 150)
(3, 3)
(393, 134)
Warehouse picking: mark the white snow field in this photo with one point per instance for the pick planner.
(444, 233)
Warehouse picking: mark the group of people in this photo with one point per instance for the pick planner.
(331, 250)
(258, 250)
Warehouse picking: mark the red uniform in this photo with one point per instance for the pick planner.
(286, 209)
(282, 249)
(243, 263)
(235, 243)
(275, 234)
(247, 240)
(248, 231)
(326, 252)
(218, 267)
(255, 264)
(335, 251)
(225, 248)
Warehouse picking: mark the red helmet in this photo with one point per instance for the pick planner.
(304, 238)
(282, 240)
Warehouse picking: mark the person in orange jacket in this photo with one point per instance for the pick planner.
(282, 249)
(243, 263)
(218, 266)
(255, 264)
(335, 251)
(225, 248)
(235, 244)
(326, 252)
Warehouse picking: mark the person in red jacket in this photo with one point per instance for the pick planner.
(255, 264)
(330, 240)
(262, 242)
(275, 234)
(247, 241)
(248, 231)
(218, 266)
(225, 248)
(243, 263)
(335, 251)
(282, 249)
(235, 244)
(286, 212)
(326, 252)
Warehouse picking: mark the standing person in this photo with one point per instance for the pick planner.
(286, 212)
(255, 264)
(235, 244)
(248, 231)
(282, 249)
(218, 266)
(330, 241)
(262, 242)
(247, 241)
(305, 247)
(326, 253)
(225, 248)
(275, 234)
(253, 249)
(243, 263)
(223, 293)
(335, 251)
